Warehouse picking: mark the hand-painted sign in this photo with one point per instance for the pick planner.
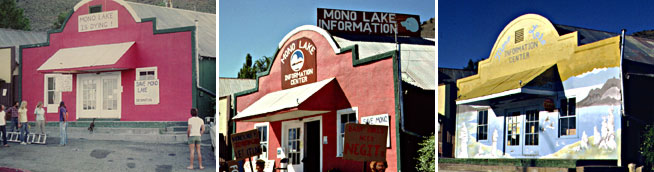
(363, 22)
(246, 144)
(97, 21)
(365, 142)
(382, 120)
(298, 63)
(146, 92)
(64, 82)
(233, 166)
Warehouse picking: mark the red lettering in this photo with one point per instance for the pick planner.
(377, 150)
(363, 151)
(370, 150)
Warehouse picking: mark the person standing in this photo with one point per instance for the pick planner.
(13, 111)
(63, 124)
(194, 131)
(22, 122)
(40, 116)
(378, 166)
(3, 130)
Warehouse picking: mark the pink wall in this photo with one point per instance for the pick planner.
(170, 52)
(368, 87)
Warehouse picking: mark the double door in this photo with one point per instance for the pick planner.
(301, 142)
(522, 131)
(99, 95)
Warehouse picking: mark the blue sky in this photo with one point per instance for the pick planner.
(257, 26)
(468, 29)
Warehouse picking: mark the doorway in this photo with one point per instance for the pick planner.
(312, 144)
(99, 95)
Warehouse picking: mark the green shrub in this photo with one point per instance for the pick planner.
(647, 146)
(426, 159)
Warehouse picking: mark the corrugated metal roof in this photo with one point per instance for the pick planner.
(417, 55)
(636, 49)
(173, 18)
(9, 37)
(228, 86)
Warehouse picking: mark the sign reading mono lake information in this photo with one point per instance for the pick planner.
(246, 144)
(363, 22)
(365, 142)
(97, 21)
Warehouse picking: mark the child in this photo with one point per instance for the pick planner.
(194, 131)
(3, 130)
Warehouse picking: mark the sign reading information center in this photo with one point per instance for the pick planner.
(97, 21)
(298, 63)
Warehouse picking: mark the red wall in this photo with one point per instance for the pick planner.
(368, 87)
(170, 52)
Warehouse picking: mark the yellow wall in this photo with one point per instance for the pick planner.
(441, 99)
(5, 64)
(223, 107)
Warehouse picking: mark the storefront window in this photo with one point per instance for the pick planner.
(88, 93)
(294, 145)
(344, 116)
(567, 119)
(531, 134)
(263, 130)
(52, 96)
(513, 129)
(482, 125)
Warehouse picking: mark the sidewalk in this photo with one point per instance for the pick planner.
(96, 155)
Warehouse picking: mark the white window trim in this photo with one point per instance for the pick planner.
(267, 125)
(339, 146)
(139, 70)
(576, 135)
(50, 108)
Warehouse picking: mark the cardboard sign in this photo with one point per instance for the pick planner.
(369, 23)
(383, 120)
(365, 142)
(246, 144)
(97, 21)
(64, 82)
(146, 92)
(232, 166)
(298, 63)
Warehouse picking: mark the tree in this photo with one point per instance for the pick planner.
(647, 146)
(426, 159)
(12, 17)
(472, 65)
(60, 19)
(250, 70)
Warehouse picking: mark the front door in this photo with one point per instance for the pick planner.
(99, 95)
(312, 146)
(292, 142)
(513, 133)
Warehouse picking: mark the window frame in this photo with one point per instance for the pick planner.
(569, 113)
(264, 154)
(51, 108)
(146, 69)
(339, 135)
(95, 6)
(484, 125)
(536, 123)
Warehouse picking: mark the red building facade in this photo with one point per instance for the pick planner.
(107, 62)
(304, 122)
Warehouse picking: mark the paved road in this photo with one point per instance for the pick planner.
(93, 155)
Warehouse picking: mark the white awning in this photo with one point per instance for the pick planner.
(88, 56)
(284, 99)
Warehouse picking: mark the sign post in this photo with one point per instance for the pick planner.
(365, 142)
(246, 145)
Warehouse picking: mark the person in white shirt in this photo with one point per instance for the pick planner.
(40, 117)
(3, 123)
(194, 132)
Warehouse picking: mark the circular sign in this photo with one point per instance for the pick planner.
(297, 60)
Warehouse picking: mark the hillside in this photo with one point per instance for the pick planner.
(42, 13)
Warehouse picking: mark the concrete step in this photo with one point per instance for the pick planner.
(146, 135)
